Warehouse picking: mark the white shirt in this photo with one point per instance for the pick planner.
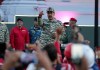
(89, 54)
(80, 50)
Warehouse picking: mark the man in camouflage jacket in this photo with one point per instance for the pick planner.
(4, 33)
(4, 39)
(49, 26)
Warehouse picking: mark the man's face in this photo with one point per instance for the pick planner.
(36, 24)
(72, 23)
(50, 15)
(20, 23)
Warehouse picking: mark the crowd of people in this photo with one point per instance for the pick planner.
(39, 48)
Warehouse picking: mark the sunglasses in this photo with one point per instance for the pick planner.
(50, 12)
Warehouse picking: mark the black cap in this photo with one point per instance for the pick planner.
(50, 9)
(19, 19)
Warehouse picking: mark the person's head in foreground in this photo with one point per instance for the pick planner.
(78, 55)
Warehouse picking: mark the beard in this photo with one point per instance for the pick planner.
(50, 17)
(19, 24)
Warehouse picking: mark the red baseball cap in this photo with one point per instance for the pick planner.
(73, 19)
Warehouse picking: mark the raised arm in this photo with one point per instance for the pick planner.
(40, 21)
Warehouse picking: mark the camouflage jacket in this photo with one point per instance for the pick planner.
(68, 35)
(4, 33)
(49, 28)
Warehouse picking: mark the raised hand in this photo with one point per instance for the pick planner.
(59, 30)
(40, 14)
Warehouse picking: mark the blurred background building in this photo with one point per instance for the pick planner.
(80, 9)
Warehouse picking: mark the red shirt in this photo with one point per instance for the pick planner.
(67, 66)
(57, 45)
(19, 37)
(65, 61)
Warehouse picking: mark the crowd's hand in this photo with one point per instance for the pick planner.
(87, 41)
(11, 60)
(59, 30)
(40, 14)
(36, 46)
(32, 46)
